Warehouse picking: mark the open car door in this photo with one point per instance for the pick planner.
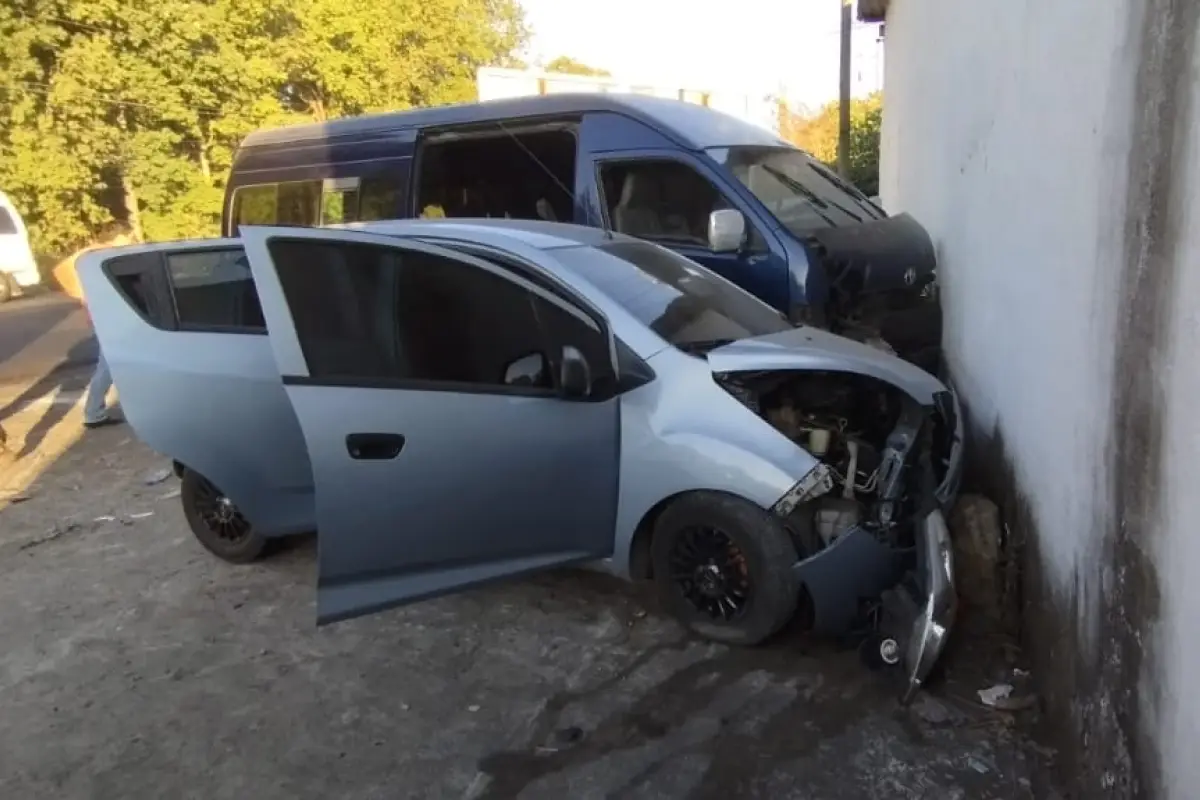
(442, 452)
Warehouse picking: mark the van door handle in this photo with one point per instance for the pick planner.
(374, 446)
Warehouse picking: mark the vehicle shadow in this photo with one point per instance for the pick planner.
(27, 319)
(68, 376)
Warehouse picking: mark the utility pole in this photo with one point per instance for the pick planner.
(844, 93)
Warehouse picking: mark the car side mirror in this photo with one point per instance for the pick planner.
(726, 230)
(575, 375)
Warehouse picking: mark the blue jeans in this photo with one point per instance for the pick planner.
(95, 409)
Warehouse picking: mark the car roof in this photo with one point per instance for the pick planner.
(533, 233)
(691, 125)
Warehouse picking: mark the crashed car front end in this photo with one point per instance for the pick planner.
(869, 520)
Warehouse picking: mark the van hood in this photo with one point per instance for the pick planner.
(806, 348)
(876, 255)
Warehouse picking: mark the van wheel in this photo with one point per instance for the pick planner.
(723, 568)
(7, 291)
(216, 521)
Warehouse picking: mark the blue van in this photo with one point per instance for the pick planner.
(723, 192)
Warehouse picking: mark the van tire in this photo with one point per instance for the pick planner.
(8, 289)
(708, 544)
(230, 538)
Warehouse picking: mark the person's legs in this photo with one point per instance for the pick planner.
(95, 409)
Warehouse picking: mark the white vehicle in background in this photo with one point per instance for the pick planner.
(18, 270)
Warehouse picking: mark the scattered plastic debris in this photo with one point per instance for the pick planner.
(1000, 697)
(472, 709)
(141, 515)
(158, 476)
(978, 765)
(994, 694)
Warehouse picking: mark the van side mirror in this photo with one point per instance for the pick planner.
(575, 375)
(726, 230)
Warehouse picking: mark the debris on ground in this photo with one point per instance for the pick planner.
(157, 476)
(50, 535)
(994, 694)
(933, 711)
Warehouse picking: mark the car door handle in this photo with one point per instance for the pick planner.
(374, 446)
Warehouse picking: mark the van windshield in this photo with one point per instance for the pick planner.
(802, 193)
(690, 307)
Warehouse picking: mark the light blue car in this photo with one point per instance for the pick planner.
(455, 402)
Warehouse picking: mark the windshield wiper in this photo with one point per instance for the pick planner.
(813, 198)
(701, 346)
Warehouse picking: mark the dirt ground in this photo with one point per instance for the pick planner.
(135, 665)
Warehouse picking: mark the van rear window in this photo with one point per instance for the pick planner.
(7, 224)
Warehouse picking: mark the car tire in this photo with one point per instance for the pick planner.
(723, 568)
(217, 523)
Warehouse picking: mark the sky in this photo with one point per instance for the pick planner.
(778, 46)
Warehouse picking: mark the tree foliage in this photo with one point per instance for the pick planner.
(818, 134)
(128, 111)
(572, 67)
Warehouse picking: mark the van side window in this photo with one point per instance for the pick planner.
(7, 224)
(214, 291)
(662, 200)
(514, 174)
(314, 203)
(379, 198)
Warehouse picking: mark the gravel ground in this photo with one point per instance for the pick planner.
(136, 665)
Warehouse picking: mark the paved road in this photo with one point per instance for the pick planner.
(46, 355)
(40, 334)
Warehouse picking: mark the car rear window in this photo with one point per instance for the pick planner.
(214, 290)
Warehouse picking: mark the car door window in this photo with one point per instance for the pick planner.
(663, 200)
(563, 328)
(369, 313)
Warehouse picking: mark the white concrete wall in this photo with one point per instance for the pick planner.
(1008, 131)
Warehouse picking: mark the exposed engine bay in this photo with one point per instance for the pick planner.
(870, 535)
(864, 430)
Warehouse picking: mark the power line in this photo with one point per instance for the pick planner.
(46, 90)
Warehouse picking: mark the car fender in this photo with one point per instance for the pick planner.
(690, 435)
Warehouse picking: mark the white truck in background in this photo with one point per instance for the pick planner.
(495, 83)
(18, 269)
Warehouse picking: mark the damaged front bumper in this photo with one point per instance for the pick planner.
(925, 612)
(919, 603)
(907, 594)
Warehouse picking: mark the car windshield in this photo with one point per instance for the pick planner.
(692, 308)
(802, 193)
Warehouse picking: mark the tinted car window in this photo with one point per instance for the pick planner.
(367, 312)
(7, 223)
(681, 301)
(564, 329)
(214, 289)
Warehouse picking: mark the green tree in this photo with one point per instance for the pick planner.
(818, 134)
(572, 67)
(131, 111)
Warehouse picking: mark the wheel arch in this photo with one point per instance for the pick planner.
(641, 565)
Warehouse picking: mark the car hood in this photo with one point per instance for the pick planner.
(806, 348)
